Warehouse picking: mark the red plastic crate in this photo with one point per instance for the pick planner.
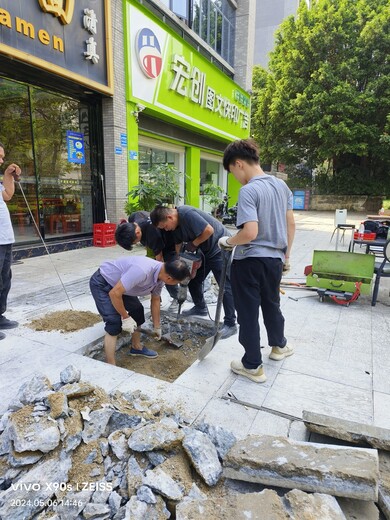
(366, 236)
(100, 230)
(104, 241)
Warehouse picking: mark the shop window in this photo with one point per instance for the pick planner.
(56, 183)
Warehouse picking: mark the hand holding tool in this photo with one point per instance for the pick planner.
(157, 333)
(224, 244)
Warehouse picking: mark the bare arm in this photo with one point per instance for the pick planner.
(248, 233)
(11, 174)
(116, 297)
(207, 232)
(290, 230)
(155, 311)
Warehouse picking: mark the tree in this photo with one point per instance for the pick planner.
(326, 97)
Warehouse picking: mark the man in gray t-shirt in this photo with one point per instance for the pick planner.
(266, 231)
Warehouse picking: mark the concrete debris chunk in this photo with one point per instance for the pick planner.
(134, 476)
(34, 390)
(120, 421)
(118, 443)
(316, 505)
(155, 436)
(96, 426)
(73, 390)
(58, 405)
(222, 439)
(71, 374)
(322, 468)
(266, 505)
(29, 435)
(23, 459)
(203, 455)
(95, 511)
(349, 431)
(145, 494)
(138, 510)
(114, 501)
(163, 484)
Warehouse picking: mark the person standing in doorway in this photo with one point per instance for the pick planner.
(7, 238)
(262, 245)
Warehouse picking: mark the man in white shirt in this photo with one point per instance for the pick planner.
(7, 238)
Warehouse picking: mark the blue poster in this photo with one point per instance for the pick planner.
(133, 156)
(124, 140)
(75, 145)
(118, 150)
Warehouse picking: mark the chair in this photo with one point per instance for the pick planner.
(382, 270)
(340, 223)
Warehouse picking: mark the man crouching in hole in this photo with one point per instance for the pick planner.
(115, 288)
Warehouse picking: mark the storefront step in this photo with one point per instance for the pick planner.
(30, 251)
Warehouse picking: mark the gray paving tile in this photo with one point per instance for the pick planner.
(269, 424)
(381, 410)
(333, 370)
(292, 393)
(232, 416)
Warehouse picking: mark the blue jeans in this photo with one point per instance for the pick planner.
(5, 275)
(195, 286)
(112, 319)
(255, 283)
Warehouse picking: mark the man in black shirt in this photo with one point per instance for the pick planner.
(199, 231)
(159, 244)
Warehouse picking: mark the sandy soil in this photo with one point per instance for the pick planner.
(65, 321)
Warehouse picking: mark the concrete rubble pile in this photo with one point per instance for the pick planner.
(71, 451)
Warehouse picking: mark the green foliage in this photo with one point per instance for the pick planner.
(158, 185)
(326, 96)
(212, 194)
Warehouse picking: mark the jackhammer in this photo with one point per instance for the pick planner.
(193, 259)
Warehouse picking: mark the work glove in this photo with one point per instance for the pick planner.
(286, 265)
(222, 243)
(189, 246)
(157, 333)
(129, 325)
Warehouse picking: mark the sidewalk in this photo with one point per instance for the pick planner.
(340, 366)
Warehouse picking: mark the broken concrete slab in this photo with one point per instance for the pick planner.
(321, 468)
(384, 483)
(317, 505)
(358, 509)
(350, 431)
(256, 506)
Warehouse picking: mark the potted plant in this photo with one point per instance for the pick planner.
(212, 195)
(158, 185)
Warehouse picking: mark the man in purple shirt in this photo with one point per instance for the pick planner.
(115, 288)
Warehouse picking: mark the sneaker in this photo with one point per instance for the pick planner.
(228, 331)
(7, 324)
(174, 307)
(2, 336)
(279, 353)
(254, 374)
(145, 352)
(195, 311)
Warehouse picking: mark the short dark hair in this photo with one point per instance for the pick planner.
(177, 269)
(244, 149)
(159, 214)
(125, 235)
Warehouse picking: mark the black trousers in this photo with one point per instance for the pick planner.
(195, 287)
(5, 274)
(255, 283)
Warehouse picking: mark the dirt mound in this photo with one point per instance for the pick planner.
(65, 321)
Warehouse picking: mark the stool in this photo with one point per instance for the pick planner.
(342, 227)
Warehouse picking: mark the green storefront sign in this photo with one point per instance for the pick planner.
(175, 82)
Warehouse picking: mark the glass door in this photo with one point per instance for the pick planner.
(48, 136)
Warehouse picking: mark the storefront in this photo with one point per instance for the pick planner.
(55, 68)
(181, 109)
